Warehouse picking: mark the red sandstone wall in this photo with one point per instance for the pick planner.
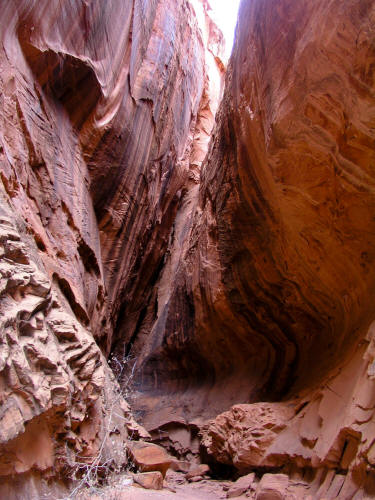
(100, 103)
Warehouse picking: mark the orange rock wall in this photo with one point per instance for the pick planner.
(279, 259)
(101, 106)
(295, 219)
(272, 297)
(240, 284)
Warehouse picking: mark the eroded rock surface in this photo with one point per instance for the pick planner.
(60, 404)
(241, 283)
(102, 105)
(272, 295)
(243, 435)
(273, 288)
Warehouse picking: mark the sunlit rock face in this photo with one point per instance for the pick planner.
(272, 295)
(102, 104)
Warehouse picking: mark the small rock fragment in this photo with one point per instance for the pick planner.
(272, 487)
(199, 470)
(242, 485)
(196, 479)
(180, 466)
(149, 480)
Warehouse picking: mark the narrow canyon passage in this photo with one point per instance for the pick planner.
(187, 248)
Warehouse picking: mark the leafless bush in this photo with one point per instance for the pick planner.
(90, 476)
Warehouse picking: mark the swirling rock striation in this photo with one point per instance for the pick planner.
(241, 283)
(272, 295)
(277, 278)
(102, 104)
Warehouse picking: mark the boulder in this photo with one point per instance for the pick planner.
(242, 435)
(272, 487)
(148, 457)
(242, 485)
(149, 480)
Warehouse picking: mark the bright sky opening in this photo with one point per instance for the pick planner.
(224, 13)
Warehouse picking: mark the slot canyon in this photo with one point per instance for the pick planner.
(187, 250)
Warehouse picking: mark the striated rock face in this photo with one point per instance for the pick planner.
(127, 101)
(102, 105)
(241, 283)
(60, 404)
(295, 218)
(294, 199)
(270, 277)
(277, 282)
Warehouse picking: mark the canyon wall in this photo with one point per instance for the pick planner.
(102, 105)
(236, 287)
(269, 276)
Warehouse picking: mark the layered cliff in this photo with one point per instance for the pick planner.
(279, 258)
(272, 297)
(102, 105)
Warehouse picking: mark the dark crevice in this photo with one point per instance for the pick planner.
(141, 317)
(68, 293)
(88, 257)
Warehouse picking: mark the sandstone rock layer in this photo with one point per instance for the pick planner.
(240, 283)
(102, 105)
(271, 299)
(276, 280)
